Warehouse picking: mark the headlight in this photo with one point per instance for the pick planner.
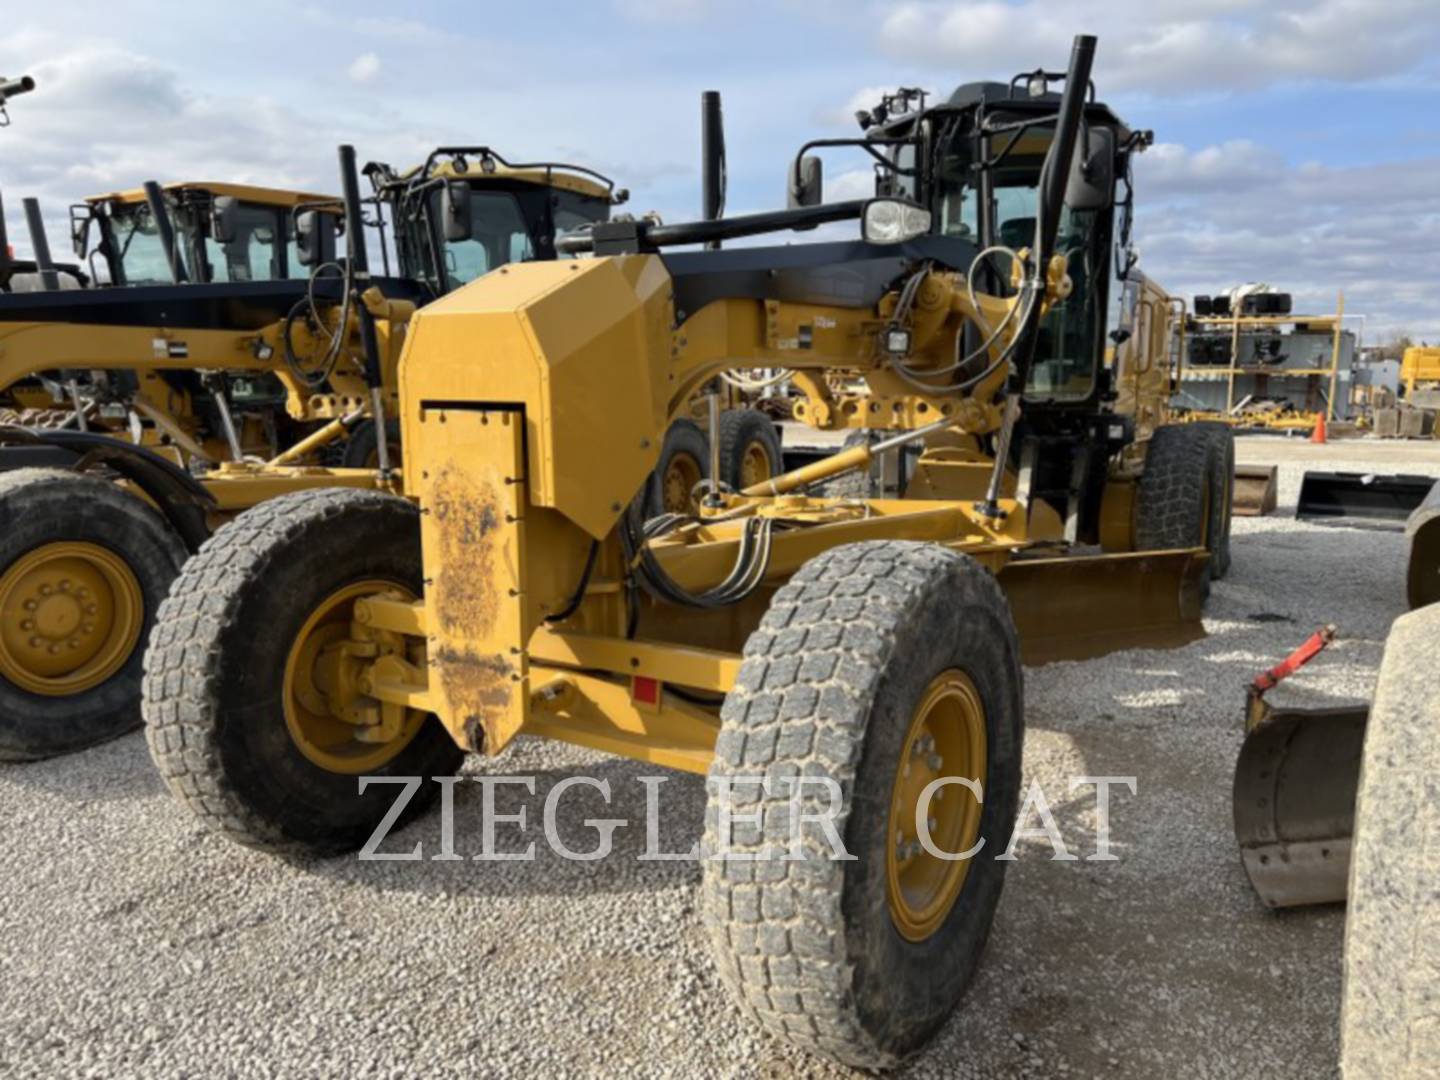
(891, 221)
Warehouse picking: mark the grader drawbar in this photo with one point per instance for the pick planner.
(832, 658)
(1298, 771)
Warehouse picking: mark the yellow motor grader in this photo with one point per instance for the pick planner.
(825, 661)
(86, 561)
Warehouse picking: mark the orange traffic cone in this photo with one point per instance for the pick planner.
(1318, 435)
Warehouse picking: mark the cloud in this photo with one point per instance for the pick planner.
(1164, 47)
(364, 67)
(1214, 217)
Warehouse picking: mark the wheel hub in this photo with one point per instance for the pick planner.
(329, 711)
(755, 466)
(71, 614)
(682, 475)
(946, 738)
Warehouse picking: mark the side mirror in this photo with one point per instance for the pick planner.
(455, 207)
(80, 234)
(806, 183)
(315, 238)
(225, 219)
(1092, 171)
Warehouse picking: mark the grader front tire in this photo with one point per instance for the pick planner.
(84, 566)
(866, 649)
(237, 727)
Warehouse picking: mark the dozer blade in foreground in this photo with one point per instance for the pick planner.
(1299, 769)
(1083, 607)
(1255, 490)
(1295, 784)
(1361, 498)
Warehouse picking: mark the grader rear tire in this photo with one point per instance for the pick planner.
(1222, 487)
(879, 666)
(684, 462)
(235, 718)
(362, 451)
(1175, 497)
(750, 449)
(857, 483)
(1390, 1021)
(83, 568)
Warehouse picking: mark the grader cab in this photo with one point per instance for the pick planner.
(845, 656)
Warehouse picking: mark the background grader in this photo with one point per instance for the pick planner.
(768, 636)
(172, 390)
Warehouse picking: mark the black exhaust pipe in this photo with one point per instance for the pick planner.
(160, 213)
(15, 87)
(712, 160)
(5, 260)
(38, 240)
(1054, 176)
(358, 262)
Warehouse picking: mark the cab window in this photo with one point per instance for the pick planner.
(250, 255)
(498, 235)
(137, 247)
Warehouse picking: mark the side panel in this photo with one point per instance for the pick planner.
(470, 480)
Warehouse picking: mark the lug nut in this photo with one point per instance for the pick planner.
(91, 609)
(27, 624)
(46, 590)
(30, 605)
(934, 761)
(64, 584)
(87, 628)
(35, 643)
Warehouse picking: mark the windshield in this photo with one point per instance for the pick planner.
(251, 254)
(1065, 365)
(137, 246)
(498, 235)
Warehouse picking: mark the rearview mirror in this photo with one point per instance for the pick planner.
(315, 238)
(225, 219)
(80, 233)
(455, 205)
(806, 182)
(1092, 170)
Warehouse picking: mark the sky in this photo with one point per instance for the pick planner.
(1297, 142)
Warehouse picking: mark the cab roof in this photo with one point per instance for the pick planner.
(265, 196)
(488, 170)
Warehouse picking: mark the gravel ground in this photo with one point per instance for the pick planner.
(134, 943)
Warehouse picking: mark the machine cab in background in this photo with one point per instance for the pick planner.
(224, 233)
(467, 211)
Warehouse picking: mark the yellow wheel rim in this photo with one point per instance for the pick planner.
(946, 738)
(71, 614)
(756, 466)
(317, 675)
(679, 480)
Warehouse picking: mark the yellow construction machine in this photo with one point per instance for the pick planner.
(172, 387)
(831, 663)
